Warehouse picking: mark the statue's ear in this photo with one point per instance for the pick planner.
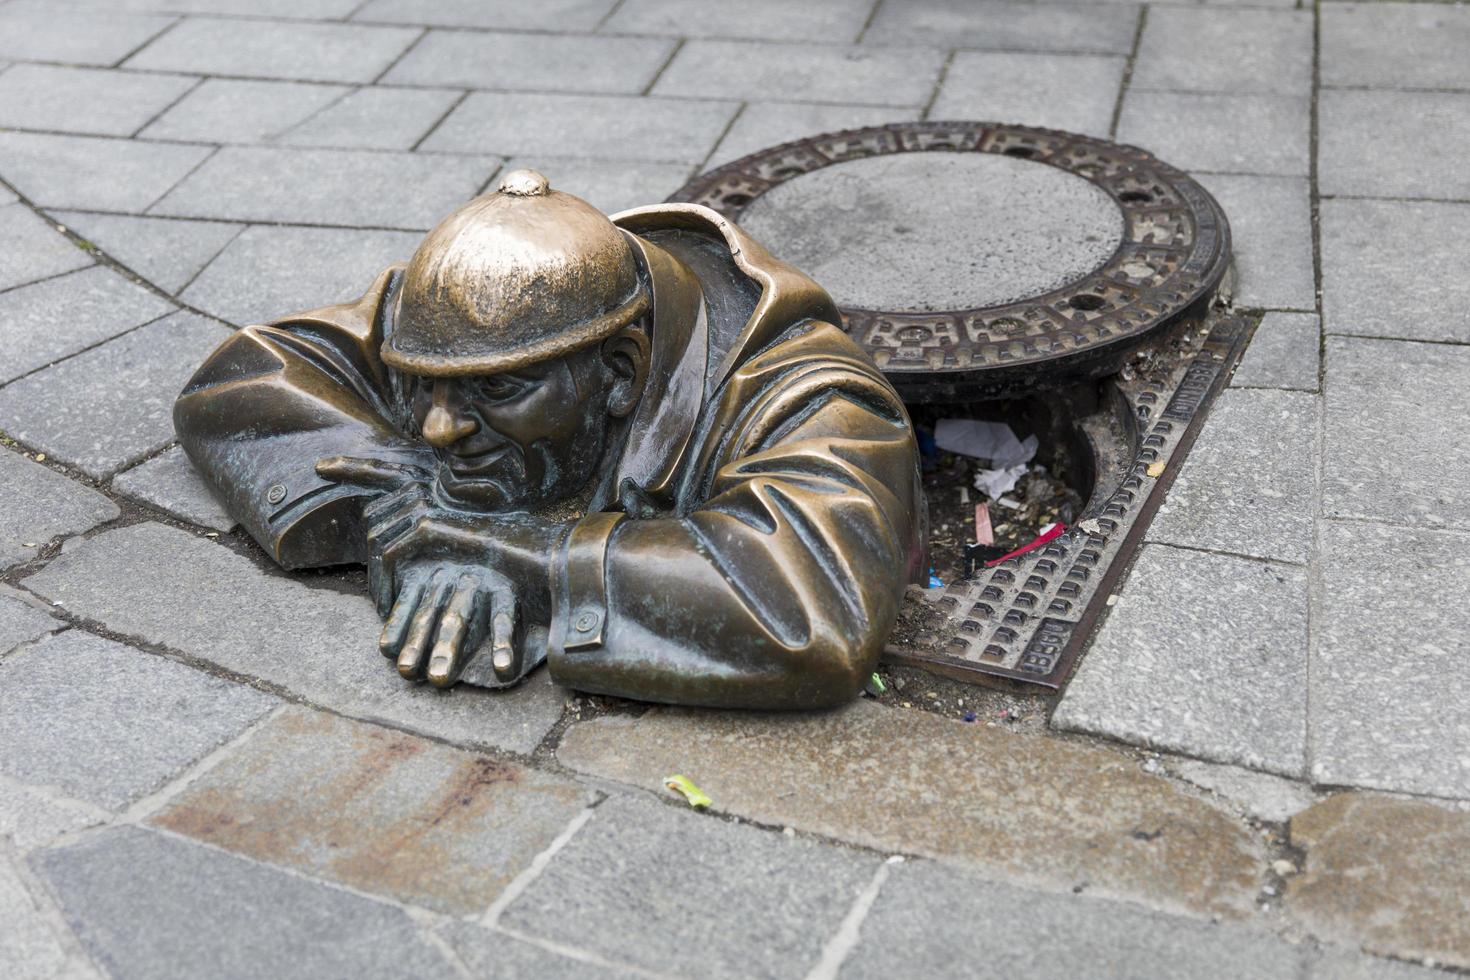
(627, 355)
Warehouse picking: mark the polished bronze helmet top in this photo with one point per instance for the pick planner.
(511, 278)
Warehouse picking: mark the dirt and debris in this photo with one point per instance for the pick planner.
(915, 689)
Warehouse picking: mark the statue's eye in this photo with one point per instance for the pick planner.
(498, 388)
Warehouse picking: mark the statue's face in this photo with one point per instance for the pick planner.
(517, 439)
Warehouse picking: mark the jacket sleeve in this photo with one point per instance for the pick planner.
(779, 590)
(271, 401)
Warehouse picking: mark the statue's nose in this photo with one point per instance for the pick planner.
(444, 426)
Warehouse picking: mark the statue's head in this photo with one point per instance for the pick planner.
(522, 333)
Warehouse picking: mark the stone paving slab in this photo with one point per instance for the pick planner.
(533, 62)
(31, 249)
(269, 272)
(1005, 26)
(1420, 141)
(1204, 654)
(1072, 92)
(676, 892)
(276, 49)
(821, 21)
(499, 955)
(1241, 134)
(93, 173)
(377, 810)
(43, 31)
(609, 185)
(1385, 873)
(169, 482)
(31, 817)
(933, 921)
(1271, 239)
(33, 944)
(132, 720)
(200, 912)
(224, 110)
(208, 602)
(302, 9)
(21, 622)
(552, 15)
(1390, 697)
(111, 405)
(85, 100)
(49, 320)
(167, 252)
(868, 75)
(1256, 795)
(328, 187)
(1391, 269)
(605, 127)
(1207, 49)
(1046, 813)
(765, 124)
(1248, 486)
(41, 504)
(1392, 45)
(1389, 454)
(1285, 352)
(374, 119)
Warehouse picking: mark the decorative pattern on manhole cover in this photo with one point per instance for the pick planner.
(944, 230)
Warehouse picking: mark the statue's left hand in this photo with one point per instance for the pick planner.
(441, 616)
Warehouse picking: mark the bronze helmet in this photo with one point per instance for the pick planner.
(511, 278)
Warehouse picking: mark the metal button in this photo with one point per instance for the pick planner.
(586, 622)
(276, 494)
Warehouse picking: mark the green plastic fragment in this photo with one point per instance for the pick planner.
(875, 685)
(696, 796)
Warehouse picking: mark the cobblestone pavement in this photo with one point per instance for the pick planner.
(207, 771)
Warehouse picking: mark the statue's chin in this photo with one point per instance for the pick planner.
(478, 495)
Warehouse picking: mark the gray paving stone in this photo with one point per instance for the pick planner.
(268, 272)
(113, 404)
(33, 944)
(533, 62)
(223, 110)
(765, 124)
(1394, 449)
(1420, 141)
(1391, 45)
(45, 321)
(199, 912)
(495, 955)
(1213, 50)
(609, 185)
(1337, 964)
(867, 75)
(31, 817)
(1255, 794)
(92, 173)
(1005, 26)
(374, 119)
(129, 721)
(276, 49)
(31, 249)
(1271, 237)
(555, 15)
(1071, 92)
(84, 100)
(303, 9)
(321, 645)
(21, 622)
(41, 504)
(166, 252)
(42, 31)
(377, 810)
(933, 921)
(830, 21)
(1247, 486)
(353, 188)
(1393, 269)
(1284, 353)
(1203, 654)
(169, 482)
(602, 127)
(1252, 134)
(671, 891)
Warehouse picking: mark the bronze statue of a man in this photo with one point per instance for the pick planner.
(639, 448)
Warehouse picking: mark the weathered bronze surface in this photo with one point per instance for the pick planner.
(639, 449)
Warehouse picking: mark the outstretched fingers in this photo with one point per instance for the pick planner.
(414, 654)
(367, 472)
(506, 650)
(457, 631)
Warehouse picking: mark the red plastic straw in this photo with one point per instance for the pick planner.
(1056, 531)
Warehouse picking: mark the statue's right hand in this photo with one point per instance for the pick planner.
(372, 474)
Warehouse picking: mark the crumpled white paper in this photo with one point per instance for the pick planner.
(993, 442)
(993, 483)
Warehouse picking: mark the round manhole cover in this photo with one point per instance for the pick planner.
(978, 260)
